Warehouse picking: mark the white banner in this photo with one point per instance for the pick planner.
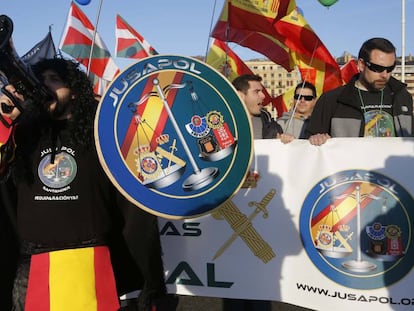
(319, 227)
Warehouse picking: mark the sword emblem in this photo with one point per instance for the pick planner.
(243, 227)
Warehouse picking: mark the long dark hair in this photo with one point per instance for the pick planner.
(83, 103)
(36, 123)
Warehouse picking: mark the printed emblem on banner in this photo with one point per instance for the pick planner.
(173, 136)
(356, 227)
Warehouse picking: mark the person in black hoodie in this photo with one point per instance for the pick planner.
(65, 202)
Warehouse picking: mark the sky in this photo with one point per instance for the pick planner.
(182, 27)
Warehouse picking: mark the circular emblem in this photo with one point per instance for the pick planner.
(214, 119)
(356, 227)
(173, 136)
(58, 174)
(198, 126)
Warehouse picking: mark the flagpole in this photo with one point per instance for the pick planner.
(211, 27)
(403, 40)
(94, 35)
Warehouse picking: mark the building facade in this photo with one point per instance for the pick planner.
(276, 79)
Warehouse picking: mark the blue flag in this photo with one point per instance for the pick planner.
(43, 49)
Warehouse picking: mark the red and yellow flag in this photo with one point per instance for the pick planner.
(261, 42)
(289, 42)
(222, 58)
(259, 16)
(295, 32)
(349, 70)
(345, 208)
(284, 102)
(72, 279)
(226, 61)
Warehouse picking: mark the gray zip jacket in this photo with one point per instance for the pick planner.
(295, 127)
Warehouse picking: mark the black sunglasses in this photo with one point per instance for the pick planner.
(378, 68)
(305, 97)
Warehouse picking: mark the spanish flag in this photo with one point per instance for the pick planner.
(249, 37)
(223, 59)
(259, 16)
(349, 70)
(72, 279)
(288, 41)
(226, 61)
(284, 102)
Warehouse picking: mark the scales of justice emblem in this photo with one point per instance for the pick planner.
(168, 131)
(158, 167)
(358, 223)
(332, 238)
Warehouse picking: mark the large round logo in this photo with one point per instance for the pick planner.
(173, 136)
(356, 227)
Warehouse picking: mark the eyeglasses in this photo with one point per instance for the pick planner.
(378, 68)
(305, 97)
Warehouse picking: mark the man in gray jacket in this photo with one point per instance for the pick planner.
(372, 104)
(295, 120)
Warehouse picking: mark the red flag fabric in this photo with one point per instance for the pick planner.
(72, 279)
(222, 58)
(77, 41)
(296, 33)
(284, 102)
(263, 43)
(259, 16)
(296, 44)
(129, 43)
(225, 60)
(349, 70)
(99, 84)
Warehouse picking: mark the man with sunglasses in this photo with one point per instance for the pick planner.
(372, 104)
(294, 122)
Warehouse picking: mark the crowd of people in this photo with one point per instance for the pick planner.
(51, 147)
(372, 104)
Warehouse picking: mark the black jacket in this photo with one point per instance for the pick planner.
(338, 112)
(71, 201)
(270, 127)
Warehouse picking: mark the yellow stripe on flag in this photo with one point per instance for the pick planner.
(146, 132)
(72, 280)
